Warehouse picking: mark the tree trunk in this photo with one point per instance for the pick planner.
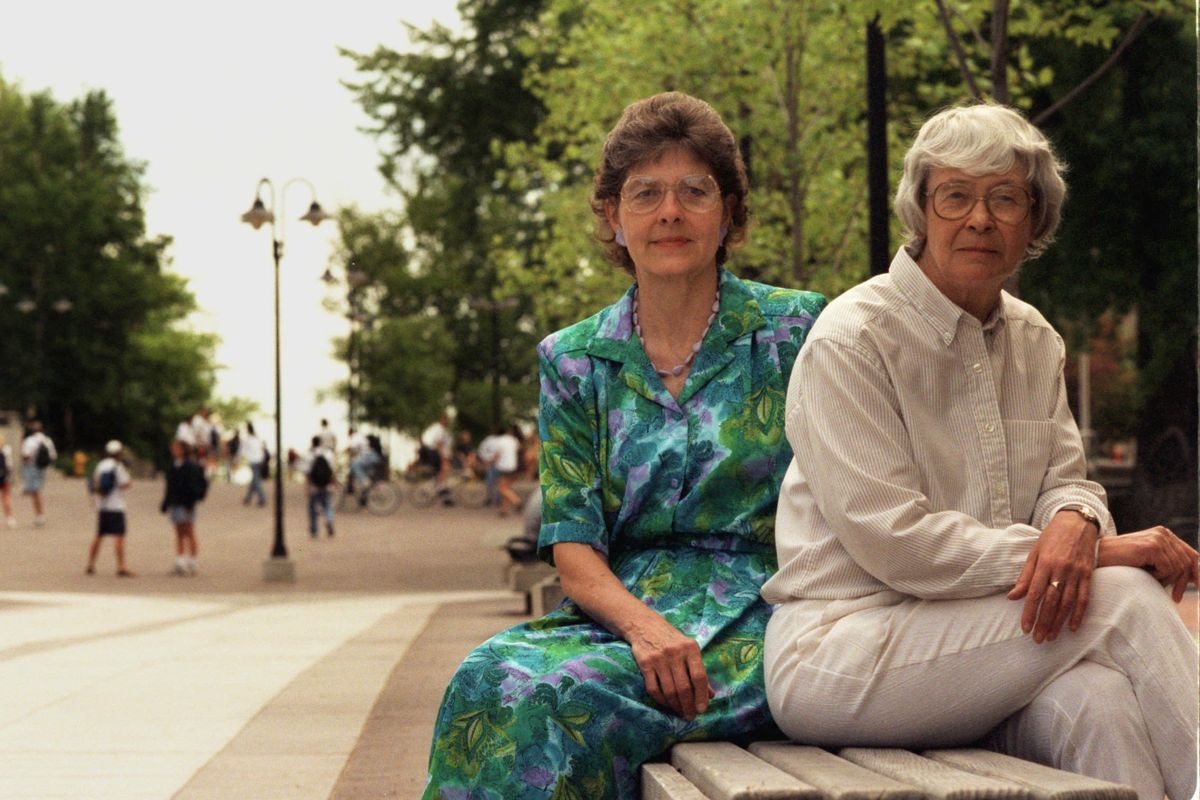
(1000, 51)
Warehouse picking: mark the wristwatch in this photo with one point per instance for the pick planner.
(1085, 512)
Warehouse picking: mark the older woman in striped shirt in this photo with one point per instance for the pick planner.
(948, 574)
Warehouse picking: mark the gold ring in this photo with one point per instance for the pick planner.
(1054, 584)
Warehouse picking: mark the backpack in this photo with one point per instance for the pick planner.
(108, 482)
(41, 459)
(199, 483)
(320, 474)
(3, 467)
(266, 464)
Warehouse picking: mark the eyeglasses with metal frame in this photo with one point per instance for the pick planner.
(1007, 203)
(642, 194)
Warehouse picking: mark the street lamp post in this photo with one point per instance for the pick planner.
(278, 567)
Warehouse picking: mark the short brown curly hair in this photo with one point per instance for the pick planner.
(648, 129)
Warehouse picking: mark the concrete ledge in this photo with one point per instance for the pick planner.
(522, 577)
(545, 596)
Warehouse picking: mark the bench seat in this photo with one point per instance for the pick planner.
(788, 771)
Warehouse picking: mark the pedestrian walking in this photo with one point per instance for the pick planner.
(327, 436)
(508, 463)
(487, 457)
(185, 433)
(254, 453)
(6, 473)
(319, 480)
(202, 432)
(37, 454)
(109, 482)
(232, 450)
(186, 485)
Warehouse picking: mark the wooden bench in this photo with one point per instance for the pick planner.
(787, 771)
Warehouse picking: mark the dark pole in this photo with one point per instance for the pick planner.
(352, 357)
(280, 549)
(495, 364)
(877, 177)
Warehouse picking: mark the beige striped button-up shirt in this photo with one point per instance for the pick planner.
(930, 449)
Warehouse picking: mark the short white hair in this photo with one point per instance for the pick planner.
(982, 139)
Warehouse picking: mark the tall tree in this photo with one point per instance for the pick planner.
(95, 346)
(444, 111)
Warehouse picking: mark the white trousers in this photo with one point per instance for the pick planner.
(1117, 699)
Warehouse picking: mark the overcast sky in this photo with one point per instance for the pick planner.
(212, 97)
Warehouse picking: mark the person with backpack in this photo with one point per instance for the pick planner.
(186, 485)
(319, 478)
(37, 454)
(6, 473)
(109, 480)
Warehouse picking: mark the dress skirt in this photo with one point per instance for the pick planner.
(557, 708)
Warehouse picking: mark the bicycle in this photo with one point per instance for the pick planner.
(463, 488)
(381, 497)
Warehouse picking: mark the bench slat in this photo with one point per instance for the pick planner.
(724, 771)
(663, 782)
(939, 780)
(836, 777)
(1046, 783)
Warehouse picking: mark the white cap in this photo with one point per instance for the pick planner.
(113, 447)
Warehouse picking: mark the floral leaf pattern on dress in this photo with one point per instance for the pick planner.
(680, 497)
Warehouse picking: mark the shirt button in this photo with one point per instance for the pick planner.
(998, 489)
(989, 427)
(977, 367)
(947, 337)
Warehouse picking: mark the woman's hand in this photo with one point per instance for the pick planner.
(671, 666)
(669, 661)
(1057, 576)
(1157, 550)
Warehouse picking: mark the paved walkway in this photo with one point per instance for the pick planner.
(221, 686)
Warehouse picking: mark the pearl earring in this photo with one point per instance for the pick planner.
(620, 238)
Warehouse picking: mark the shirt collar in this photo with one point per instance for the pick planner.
(939, 311)
(739, 314)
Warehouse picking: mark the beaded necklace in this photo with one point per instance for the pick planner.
(680, 367)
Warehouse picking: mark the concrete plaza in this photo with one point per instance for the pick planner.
(222, 686)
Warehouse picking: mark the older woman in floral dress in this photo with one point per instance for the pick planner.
(662, 453)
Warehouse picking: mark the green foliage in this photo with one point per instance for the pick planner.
(1128, 238)
(233, 412)
(781, 76)
(444, 113)
(72, 228)
(492, 137)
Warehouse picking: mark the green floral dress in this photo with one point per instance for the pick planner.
(680, 496)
